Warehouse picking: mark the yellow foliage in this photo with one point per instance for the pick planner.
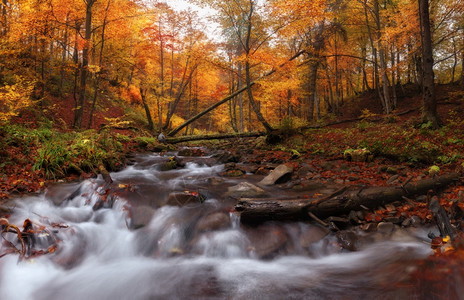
(366, 113)
(15, 97)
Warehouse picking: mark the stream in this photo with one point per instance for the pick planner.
(140, 248)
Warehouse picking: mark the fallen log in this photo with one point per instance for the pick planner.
(190, 138)
(376, 119)
(255, 210)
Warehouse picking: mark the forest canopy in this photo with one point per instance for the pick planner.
(291, 61)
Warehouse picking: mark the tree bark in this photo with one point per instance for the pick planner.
(143, 93)
(183, 85)
(85, 63)
(259, 210)
(429, 114)
(213, 137)
(254, 105)
(100, 65)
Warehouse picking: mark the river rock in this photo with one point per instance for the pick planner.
(183, 198)
(385, 228)
(312, 234)
(233, 173)
(245, 190)
(226, 157)
(141, 216)
(215, 180)
(280, 174)
(215, 221)
(347, 239)
(172, 163)
(266, 240)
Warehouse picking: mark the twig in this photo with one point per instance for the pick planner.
(313, 216)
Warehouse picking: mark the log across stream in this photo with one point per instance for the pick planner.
(134, 246)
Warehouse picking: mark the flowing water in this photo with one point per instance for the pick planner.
(101, 256)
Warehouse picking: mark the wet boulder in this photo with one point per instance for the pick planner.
(215, 221)
(245, 190)
(231, 170)
(141, 216)
(172, 163)
(312, 234)
(280, 174)
(184, 198)
(267, 240)
(347, 239)
(215, 181)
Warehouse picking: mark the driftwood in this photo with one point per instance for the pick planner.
(254, 210)
(190, 138)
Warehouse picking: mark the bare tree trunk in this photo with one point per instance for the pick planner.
(428, 86)
(4, 18)
(63, 58)
(100, 64)
(143, 94)
(85, 63)
(455, 56)
(240, 98)
(383, 64)
(183, 85)
(462, 61)
(77, 67)
(247, 49)
(374, 54)
(393, 74)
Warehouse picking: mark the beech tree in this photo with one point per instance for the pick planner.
(429, 114)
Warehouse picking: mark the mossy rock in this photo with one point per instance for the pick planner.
(358, 155)
(233, 173)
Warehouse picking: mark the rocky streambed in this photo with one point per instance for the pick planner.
(167, 228)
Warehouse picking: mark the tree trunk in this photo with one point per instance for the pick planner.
(247, 49)
(455, 63)
(63, 58)
(374, 54)
(393, 82)
(430, 114)
(260, 209)
(4, 18)
(240, 98)
(77, 68)
(213, 137)
(180, 93)
(85, 63)
(143, 94)
(100, 65)
(382, 59)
